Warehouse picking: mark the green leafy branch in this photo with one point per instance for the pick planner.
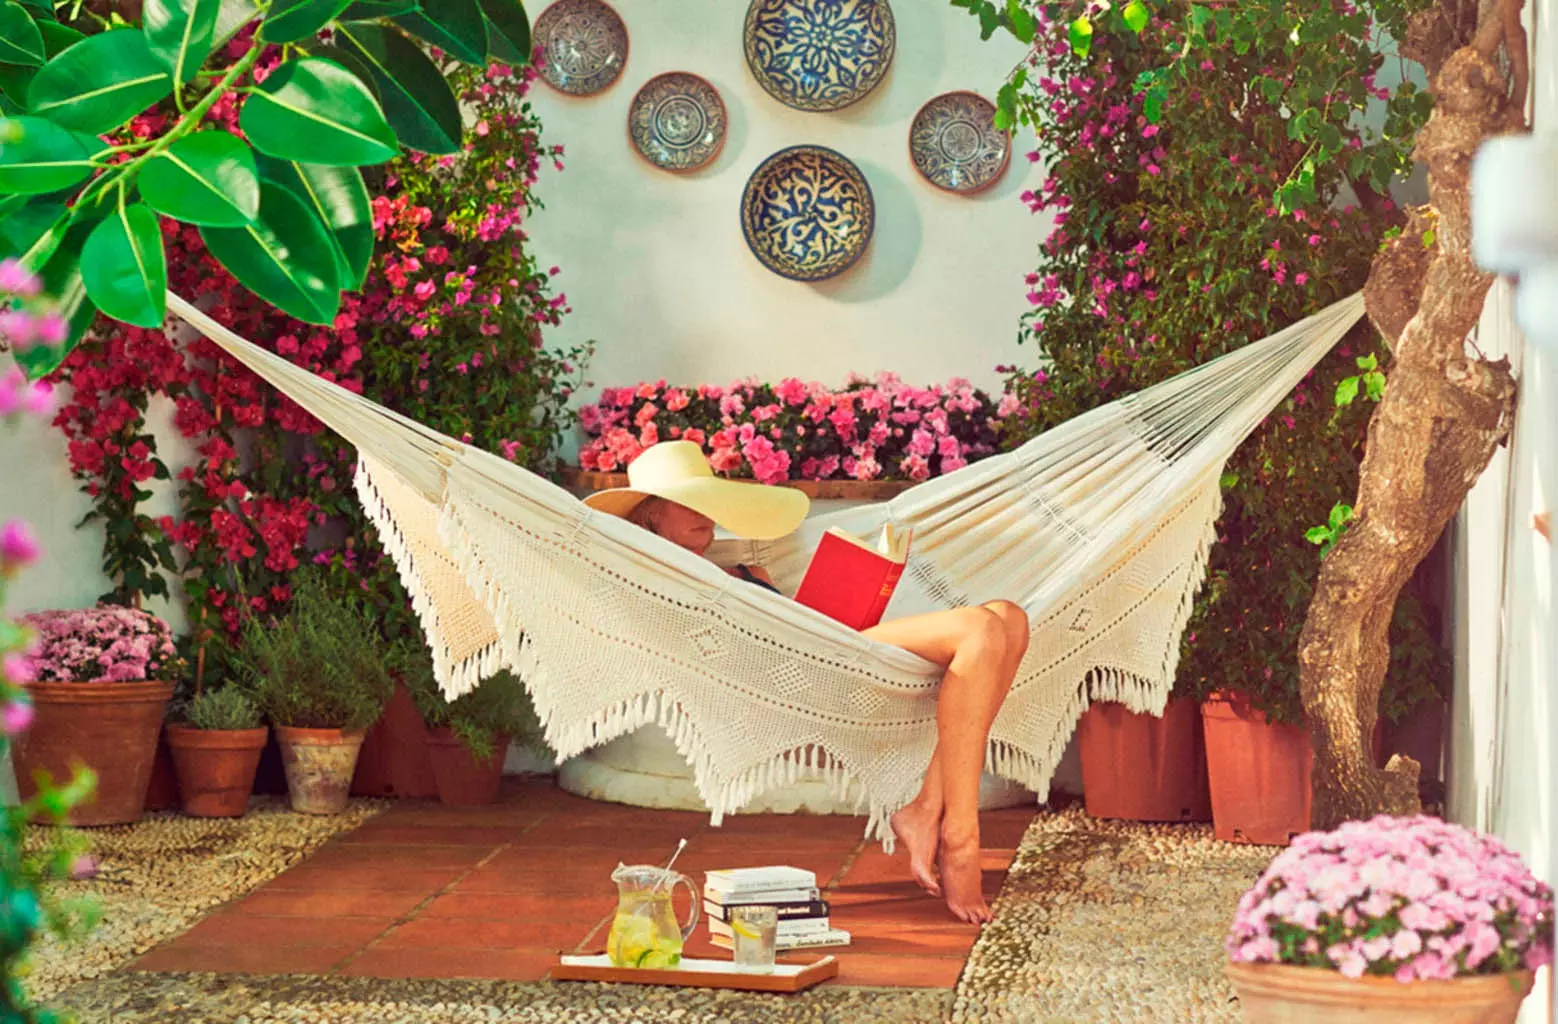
(1328, 534)
(284, 208)
(1371, 382)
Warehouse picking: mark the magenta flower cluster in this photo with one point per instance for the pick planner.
(1409, 898)
(795, 430)
(109, 643)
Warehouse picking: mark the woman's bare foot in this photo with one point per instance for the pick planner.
(919, 829)
(963, 880)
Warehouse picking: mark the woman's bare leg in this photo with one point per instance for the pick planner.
(985, 646)
(918, 823)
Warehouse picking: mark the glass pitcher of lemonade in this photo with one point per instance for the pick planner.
(645, 932)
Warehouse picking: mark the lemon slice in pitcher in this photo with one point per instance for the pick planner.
(656, 959)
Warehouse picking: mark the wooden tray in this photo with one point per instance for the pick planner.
(787, 976)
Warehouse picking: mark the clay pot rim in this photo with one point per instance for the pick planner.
(182, 734)
(311, 735)
(65, 692)
(1470, 989)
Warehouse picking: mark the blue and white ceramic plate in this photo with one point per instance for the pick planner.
(819, 54)
(677, 121)
(807, 213)
(584, 46)
(954, 143)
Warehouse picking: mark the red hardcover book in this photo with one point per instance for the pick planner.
(852, 582)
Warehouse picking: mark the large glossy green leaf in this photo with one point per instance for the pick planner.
(61, 279)
(315, 110)
(207, 178)
(508, 31)
(292, 20)
(32, 233)
(41, 10)
(368, 10)
(417, 101)
(352, 62)
(180, 33)
(455, 25)
(57, 37)
(37, 156)
(20, 40)
(124, 268)
(15, 79)
(339, 198)
(100, 83)
(285, 256)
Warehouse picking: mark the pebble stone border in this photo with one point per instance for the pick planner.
(1116, 921)
(158, 877)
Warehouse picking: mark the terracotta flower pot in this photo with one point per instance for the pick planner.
(394, 760)
(216, 768)
(109, 727)
(463, 781)
(1284, 994)
(162, 792)
(1259, 773)
(1143, 767)
(319, 765)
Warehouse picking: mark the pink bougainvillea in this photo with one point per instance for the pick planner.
(795, 430)
(1409, 898)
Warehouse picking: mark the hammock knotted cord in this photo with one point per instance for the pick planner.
(1099, 528)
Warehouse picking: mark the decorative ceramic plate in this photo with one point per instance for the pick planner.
(807, 213)
(819, 54)
(677, 121)
(584, 46)
(954, 143)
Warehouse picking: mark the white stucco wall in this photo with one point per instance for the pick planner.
(1504, 735)
(655, 265)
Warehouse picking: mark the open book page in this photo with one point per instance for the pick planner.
(893, 544)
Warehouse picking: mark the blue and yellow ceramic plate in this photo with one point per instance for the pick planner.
(584, 46)
(677, 121)
(819, 54)
(954, 143)
(807, 213)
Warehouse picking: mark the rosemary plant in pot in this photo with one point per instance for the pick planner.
(1391, 921)
(318, 674)
(102, 678)
(216, 752)
(468, 738)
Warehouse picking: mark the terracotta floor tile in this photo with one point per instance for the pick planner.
(477, 933)
(316, 904)
(824, 864)
(626, 838)
(591, 879)
(889, 937)
(1004, 829)
(433, 834)
(575, 908)
(245, 959)
(235, 928)
(500, 965)
(376, 857)
(872, 865)
(878, 970)
(331, 879)
(793, 827)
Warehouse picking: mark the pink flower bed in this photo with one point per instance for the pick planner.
(109, 643)
(881, 429)
(1409, 898)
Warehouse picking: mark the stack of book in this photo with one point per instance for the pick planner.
(803, 914)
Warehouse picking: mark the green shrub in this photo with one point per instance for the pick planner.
(500, 706)
(321, 666)
(225, 709)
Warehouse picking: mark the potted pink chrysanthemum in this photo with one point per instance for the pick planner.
(1391, 920)
(99, 680)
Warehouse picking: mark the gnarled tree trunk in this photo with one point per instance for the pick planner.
(1443, 414)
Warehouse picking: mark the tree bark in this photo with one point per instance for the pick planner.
(1443, 414)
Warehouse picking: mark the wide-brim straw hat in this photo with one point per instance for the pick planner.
(678, 471)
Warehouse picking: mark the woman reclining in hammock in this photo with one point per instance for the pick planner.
(673, 493)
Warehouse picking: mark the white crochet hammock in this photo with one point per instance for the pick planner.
(1099, 528)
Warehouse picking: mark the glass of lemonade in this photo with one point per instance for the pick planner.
(756, 931)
